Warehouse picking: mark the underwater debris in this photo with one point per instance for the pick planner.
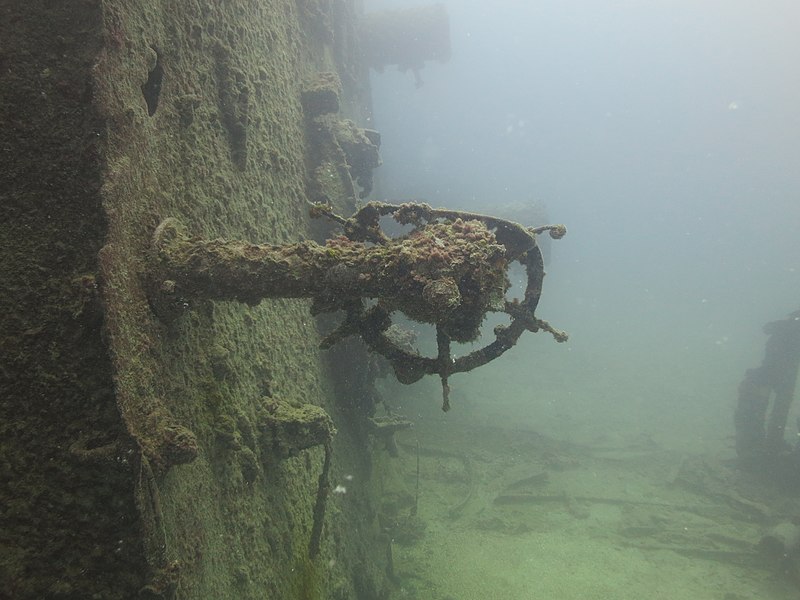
(360, 147)
(384, 428)
(342, 156)
(406, 38)
(320, 96)
(285, 429)
(450, 270)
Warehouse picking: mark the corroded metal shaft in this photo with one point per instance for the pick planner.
(449, 270)
(441, 271)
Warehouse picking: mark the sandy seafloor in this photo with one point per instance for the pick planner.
(578, 471)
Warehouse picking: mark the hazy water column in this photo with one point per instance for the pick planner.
(664, 133)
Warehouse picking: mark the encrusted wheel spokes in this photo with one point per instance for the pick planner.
(373, 324)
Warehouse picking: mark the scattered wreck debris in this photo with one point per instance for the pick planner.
(384, 428)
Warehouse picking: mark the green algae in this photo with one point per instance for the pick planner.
(166, 492)
(68, 523)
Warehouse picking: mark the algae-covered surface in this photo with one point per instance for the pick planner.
(139, 457)
(68, 525)
(225, 152)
